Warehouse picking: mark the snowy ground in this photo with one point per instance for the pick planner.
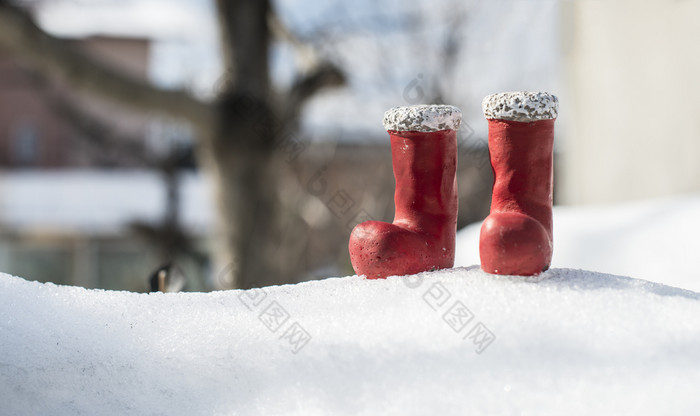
(450, 342)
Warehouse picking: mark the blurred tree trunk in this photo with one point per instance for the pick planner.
(239, 134)
(250, 141)
(239, 152)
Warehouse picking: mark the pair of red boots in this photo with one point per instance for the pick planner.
(516, 238)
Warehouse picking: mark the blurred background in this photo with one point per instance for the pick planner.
(234, 144)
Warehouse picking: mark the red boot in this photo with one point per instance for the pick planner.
(422, 236)
(516, 238)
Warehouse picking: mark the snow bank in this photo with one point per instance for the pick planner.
(450, 342)
(657, 240)
(97, 202)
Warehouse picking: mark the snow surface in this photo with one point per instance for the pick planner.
(97, 202)
(425, 118)
(570, 342)
(521, 106)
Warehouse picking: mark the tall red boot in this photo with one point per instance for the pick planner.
(422, 236)
(516, 238)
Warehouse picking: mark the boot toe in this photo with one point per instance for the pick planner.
(513, 243)
(379, 249)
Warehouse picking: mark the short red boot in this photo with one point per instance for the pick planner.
(516, 237)
(422, 236)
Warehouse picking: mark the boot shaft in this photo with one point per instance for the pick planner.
(425, 165)
(521, 158)
(424, 157)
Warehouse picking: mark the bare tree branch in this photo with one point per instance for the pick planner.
(20, 35)
(96, 133)
(307, 56)
(314, 71)
(325, 75)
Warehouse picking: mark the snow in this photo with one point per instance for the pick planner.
(97, 202)
(656, 240)
(424, 118)
(456, 341)
(570, 342)
(520, 106)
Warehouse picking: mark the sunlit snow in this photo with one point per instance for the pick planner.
(449, 342)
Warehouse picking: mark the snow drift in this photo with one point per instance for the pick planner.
(450, 342)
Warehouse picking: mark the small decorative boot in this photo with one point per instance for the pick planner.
(516, 237)
(422, 236)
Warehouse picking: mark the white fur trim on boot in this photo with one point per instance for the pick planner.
(521, 106)
(425, 118)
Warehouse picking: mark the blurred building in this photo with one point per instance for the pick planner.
(74, 226)
(71, 188)
(45, 124)
(74, 176)
(632, 129)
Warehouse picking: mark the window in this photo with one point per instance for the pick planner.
(25, 144)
